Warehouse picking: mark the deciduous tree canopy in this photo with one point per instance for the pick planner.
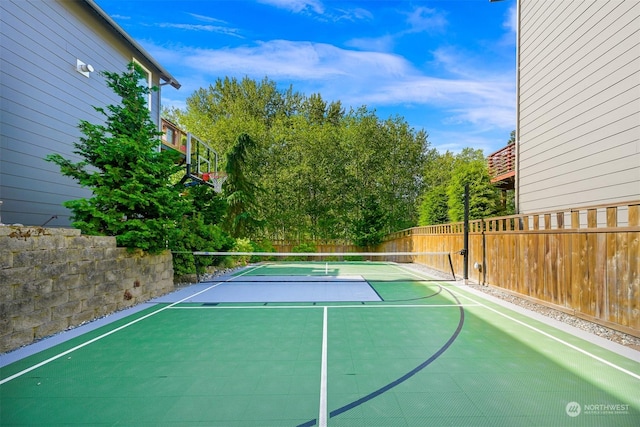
(320, 172)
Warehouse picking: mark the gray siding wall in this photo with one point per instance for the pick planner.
(579, 127)
(43, 98)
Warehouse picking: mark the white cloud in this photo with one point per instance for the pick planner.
(511, 21)
(465, 96)
(318, 10)
(376, 44)
(170, 103)
(456, 141)
(295, 60)
(200, 27)
(296, 6)
(357, 14)
(205, 18)
(423, 19)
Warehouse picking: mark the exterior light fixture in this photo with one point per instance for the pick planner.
(84, 69)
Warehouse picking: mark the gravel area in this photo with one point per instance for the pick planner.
(585, 325)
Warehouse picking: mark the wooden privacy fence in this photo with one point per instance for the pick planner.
(583, 261)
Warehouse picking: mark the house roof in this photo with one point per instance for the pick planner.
(164, 74)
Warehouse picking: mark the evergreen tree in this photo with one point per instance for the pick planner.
(133, 199)
(484, 198)
(242, 214)
(434, 208)
(369, 229)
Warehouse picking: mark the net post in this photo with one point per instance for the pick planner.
(453, 273)
(466, 235)
(195, 261)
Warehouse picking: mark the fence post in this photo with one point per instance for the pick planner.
(465, 267)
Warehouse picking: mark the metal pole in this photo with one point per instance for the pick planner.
(453, 272)
(466, 235)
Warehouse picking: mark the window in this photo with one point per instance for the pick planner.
(146, 81)
(170, 136)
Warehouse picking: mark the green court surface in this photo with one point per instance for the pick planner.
(429, 353)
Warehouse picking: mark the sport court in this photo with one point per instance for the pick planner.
(325, 344)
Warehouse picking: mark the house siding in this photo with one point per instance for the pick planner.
(43, 98)
(579, 109)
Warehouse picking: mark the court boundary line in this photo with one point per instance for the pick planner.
(106, 334)
(540, 331)
(273, 307)
(412, 372)
(322, 416)
(406, 376)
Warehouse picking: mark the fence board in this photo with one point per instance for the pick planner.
(539, 263)
(565, 281)
(600, 276)
(592, 221)
(611, 285)
(522, 264)
(514, 261)
(634, 279)
(593, 271)
(623, 277)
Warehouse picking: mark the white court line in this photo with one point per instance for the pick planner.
(277, 307)
(322, 416)
(91, 341)
(540, 331)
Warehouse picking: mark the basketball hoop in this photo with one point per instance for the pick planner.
(216, 181)
(201, 165)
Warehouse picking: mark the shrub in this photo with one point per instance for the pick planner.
(192, 234)
(301, 248)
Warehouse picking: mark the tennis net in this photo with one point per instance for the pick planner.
(322, 263)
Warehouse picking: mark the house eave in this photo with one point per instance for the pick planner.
(164, 74)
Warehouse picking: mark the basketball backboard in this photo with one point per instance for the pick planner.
(202, 165)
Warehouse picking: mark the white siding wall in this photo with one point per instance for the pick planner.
(579, 127)
(43, 98)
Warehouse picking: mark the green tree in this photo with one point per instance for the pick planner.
(436, 176)
(371, 227)
(242, 215)
(313, 165)
(434, 208)
(484, 198)
(438, 173)
(207, 203)
(133, 199)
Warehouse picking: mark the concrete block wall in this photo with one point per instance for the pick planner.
(52, 279)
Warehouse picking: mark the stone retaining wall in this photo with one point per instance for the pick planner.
(52, 279)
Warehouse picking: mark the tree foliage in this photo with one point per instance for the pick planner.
(133, 199)
(445, 177)
(484, 198)
(434, 208)
(242, 218)
(317, 169)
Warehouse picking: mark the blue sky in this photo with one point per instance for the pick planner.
(446, 66)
